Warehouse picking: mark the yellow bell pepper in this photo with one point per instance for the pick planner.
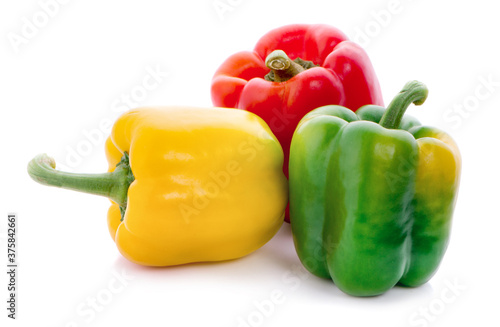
(186, 184)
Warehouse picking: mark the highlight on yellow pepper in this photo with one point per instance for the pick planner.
(186, 184)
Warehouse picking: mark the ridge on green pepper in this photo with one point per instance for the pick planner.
(372, 194)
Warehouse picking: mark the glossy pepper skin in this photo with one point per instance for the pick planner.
(342, 74)
(372, 195)
(187, 184)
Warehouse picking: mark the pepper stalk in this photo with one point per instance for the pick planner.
(413, 92)
(113, 185)
(283, 68)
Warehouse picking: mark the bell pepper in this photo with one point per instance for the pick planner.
(293, 70)
(372, 194)
(186, 184)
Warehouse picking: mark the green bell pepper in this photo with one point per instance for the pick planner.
(372, 194)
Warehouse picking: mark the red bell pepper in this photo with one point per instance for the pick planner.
(281, 89)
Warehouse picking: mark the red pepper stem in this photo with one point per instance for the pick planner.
(413, 92)
(283, 67)
(113, 185)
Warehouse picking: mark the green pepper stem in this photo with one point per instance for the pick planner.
(113, 185)
(413, 92)
(282, 66)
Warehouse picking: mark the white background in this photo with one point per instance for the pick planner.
(64, 80)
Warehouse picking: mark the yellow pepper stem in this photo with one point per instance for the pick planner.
(113, 185)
